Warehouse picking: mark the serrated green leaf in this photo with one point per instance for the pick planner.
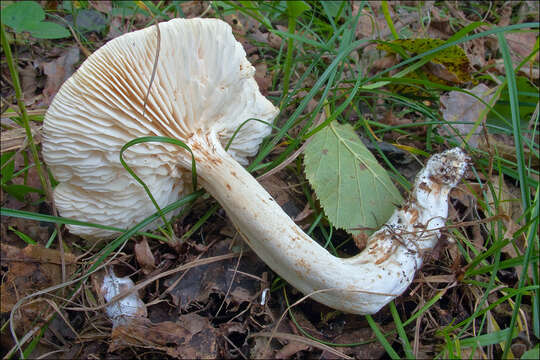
(353, 188)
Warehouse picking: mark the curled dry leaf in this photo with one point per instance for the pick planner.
(144, 256)
(191, 337)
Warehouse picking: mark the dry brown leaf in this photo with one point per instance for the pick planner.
(104, 6)
(263, 78)
(461, 107)
(26, 271)
(521, 44)
(191, 337)
(58, 71)
(275, 41)
(476, 52)
(116, 28)
(215, 278)
(29, 83)
(193, 9)
(290, 349)
(144, 256)
(384, 63)
(29, 270)
(281, 192)
(439, 27)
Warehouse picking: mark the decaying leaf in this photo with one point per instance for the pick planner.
(458, 108)
(263, 78)
(191, 337)
(353, 188)
(144, 256)
(449, 66)
(215, 278)
(371, 349)
(26, 271)
(58, 71)
(29, 270)
(521, 44)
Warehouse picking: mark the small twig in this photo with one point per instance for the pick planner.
(231, 283)
(85, 51)
(235, 347)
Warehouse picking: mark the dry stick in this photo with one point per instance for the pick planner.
(235, 347)
(85, 51)
(231, 283)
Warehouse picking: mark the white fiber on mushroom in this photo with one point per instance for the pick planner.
(202, 92)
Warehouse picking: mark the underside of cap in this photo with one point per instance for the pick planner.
(203, 81)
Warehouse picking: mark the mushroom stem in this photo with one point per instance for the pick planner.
(362, 284)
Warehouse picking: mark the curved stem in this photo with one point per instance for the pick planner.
(362, 284)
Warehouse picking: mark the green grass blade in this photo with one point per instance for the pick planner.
(401, 332)
(382, 339)
(514, 110)
(388, 18)
(160, 139)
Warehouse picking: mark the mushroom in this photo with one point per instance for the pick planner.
(202, 92)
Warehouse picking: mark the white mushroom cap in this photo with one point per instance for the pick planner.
(203, 80)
